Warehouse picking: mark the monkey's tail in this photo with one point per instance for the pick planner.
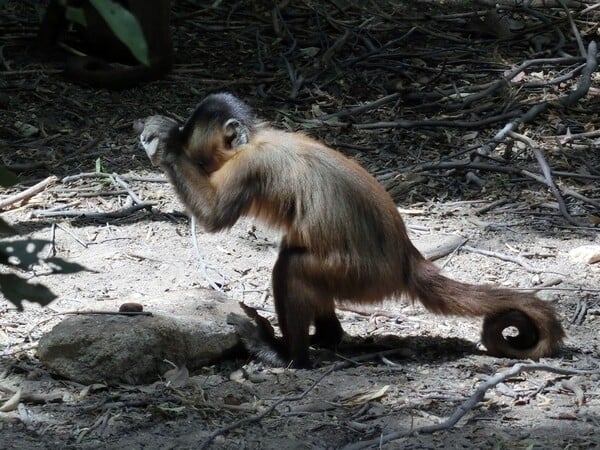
(539, 330)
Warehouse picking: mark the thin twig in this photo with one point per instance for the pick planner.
(574, 29)
(104, 313)
(503, 256)
(203, 266)
(116, 179)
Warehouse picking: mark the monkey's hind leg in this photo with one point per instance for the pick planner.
(328, 330)
(300, 302)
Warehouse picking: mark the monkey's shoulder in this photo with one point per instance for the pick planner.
(275, 145)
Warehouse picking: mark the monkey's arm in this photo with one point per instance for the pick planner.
(218, 199)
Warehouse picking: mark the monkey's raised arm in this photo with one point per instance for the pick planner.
(217, 200)
(204, 159)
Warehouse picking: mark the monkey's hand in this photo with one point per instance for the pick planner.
(155, 132)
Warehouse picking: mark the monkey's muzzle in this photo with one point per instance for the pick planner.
(154, 134)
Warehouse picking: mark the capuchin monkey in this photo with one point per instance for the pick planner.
(343, 238)
(109, 63)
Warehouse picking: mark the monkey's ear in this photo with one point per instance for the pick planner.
(236, 133)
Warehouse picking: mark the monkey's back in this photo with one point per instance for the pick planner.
(328, 203)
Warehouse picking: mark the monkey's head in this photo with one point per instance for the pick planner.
(218, 126)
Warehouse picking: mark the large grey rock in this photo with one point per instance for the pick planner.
(187, 328)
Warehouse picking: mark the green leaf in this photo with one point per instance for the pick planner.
(6, 229)
(22, 253)
(7, 178)
(99, 168)
(59, 265)
(125, 26)
(75, 15)
(15, 289)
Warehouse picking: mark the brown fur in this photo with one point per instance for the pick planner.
(344, 239)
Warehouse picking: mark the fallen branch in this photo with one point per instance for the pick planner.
(28, 193)
(95, 215)
(82, 175)
(591, 65)
(469, 403)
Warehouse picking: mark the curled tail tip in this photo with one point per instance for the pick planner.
(535, 339)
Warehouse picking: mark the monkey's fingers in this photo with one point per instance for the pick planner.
(154, 131)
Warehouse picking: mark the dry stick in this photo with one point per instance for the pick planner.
(430, 123)
(580, 312)
(487, 149)
(574, 28)
(572, 137)
(55, 226)
(469, 403)
(537, 109)
(489, 207)
(503, 256)
(539, 155)
(120, 213)
(468, 100)
(589, 8)
(29, 192)
(567, 76)
(105, 313)
(359, 109)
(567, 191)
(79, 176)
(591, 64)
(117, 180)
(335, 47)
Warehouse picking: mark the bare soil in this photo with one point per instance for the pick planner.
(50, 126)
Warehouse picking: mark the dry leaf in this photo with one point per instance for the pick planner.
(177, 377)
(91, 388)
(365, 397)
(12, 403)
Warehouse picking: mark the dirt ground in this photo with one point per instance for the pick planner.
(50, 126)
